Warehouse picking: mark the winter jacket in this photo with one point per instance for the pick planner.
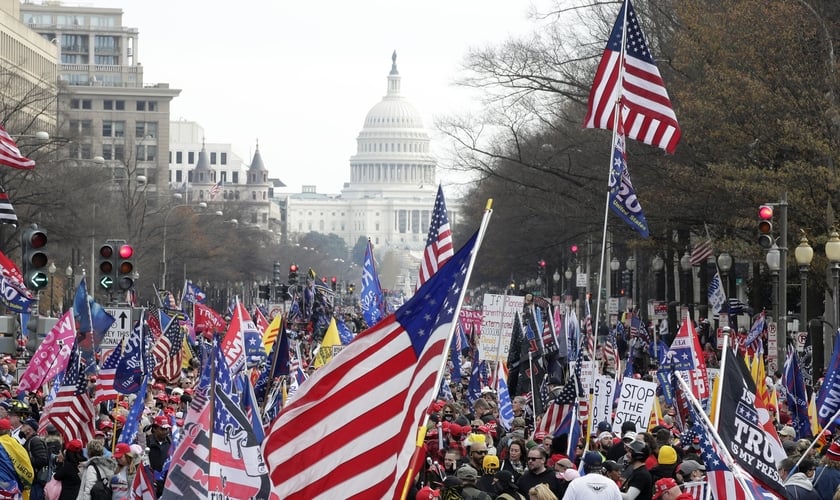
(106, 466)
(799, 487)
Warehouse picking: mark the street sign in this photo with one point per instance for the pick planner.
(581, 280)
(106, 282)
(119, 329)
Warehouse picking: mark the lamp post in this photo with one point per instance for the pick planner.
(68, 285)
(52, 270)
(657, 264)
(688, 286)
(615, 265)
(832, 252)
(804, 254)
(556, 278)
(773, 263)
(631, 269)
(725, 265)
(163, 245)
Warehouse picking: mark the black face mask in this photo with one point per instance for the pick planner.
(448, 417)
(498, 487)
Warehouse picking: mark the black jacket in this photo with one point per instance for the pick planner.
(38, 453)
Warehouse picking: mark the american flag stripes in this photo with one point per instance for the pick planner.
(7, 211)
(701, 252)
(72, 412)
(216, 189)
(167, 352)
(381, 384)
(627, 72)
(10, 155)
(143, 488)
(696, 489)
(105, 378)
(439, 241)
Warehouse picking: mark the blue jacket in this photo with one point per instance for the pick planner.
(826, 480)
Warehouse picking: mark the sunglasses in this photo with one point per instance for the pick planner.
(534, 458)
(482, 452)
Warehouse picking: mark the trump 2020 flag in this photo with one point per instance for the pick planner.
(717, 297)
(381, 384)
(623, 199)
(828, 402)
(371, 298)
(797, 396)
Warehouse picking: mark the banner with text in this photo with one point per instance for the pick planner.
(634, 404)
(497, 324)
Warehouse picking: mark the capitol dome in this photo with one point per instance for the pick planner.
(392, 150)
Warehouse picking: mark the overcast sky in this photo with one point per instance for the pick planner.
(301, 76)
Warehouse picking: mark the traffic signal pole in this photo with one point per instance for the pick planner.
(781, 345)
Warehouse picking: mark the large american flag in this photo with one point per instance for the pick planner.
(632, 77)
(105, 390)
(701, 252)
(72, 412)
(380, 386)
(167, 352)
(10, 155)
(439, 242)
(215, 190)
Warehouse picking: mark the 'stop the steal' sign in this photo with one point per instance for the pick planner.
(634, 404)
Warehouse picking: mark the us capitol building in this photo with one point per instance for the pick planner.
(391, 193)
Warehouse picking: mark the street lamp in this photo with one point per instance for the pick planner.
(615, 265)
(68, 284)
(688, 287)
(773, 263)
(163, 252)
(832, 252)
(658, 264)
(51, 270)
(804, 254)
(631, 269)
(556, 278)
(725, 265)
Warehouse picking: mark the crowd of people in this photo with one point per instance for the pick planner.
(470, 455)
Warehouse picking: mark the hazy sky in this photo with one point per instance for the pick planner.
(301, 76)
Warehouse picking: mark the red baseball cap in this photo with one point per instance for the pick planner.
(121, 450)
(162, 421)
(662, 486)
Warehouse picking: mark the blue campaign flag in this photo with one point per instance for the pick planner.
(505, 403)
(193, 294)
(797, 397)
(371, 296)
(828, 401)
(474, 387)
(81, 308)
(101, 320)
(13, 297)
(622, 196)
(136, 362)
(344, 333)
(132, 420)
(459, 341)
(444, 392)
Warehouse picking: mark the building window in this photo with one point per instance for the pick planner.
(223, 158)
(191, 157)
(119, 105)
(81, 104)
(179, 157)
(108, 104)
(141, 105)
(179, 174)
(235, 178)
(145, 129)
(152, 105)
(224, 176)
(212, 158)
(253, 195)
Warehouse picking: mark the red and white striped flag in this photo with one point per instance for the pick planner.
(697, 489)
(215, 190)
(381, 385)
(439, 241)
(143, 487)
(10, 155)
(167, 352)
(72, 412)
(105, 378)
(701, 252)
(628, 73)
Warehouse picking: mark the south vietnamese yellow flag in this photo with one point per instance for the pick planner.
(328, 345)
(271, 332)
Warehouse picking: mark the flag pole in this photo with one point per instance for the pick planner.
(421, 431)
(716, 397)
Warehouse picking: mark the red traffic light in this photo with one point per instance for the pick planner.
(541, 263)
(574, 249)
(333, 280)
(126, 251)
(765, 212)
(293, 268)
(37, 239)
(106, 252)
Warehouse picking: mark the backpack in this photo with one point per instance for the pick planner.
(101, 489)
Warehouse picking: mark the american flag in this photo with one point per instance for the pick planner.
(697, 489)
(382, 383)
(10, 155)
(701, 252)
(143, 488)
(72, 412)
(167, 352)
(439, 242)
(753, 339)
(631, 75)
(588, 335)
(562, 405)
(7, 211)
(216, 189)
(105, 378)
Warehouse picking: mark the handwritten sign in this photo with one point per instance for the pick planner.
(497, 317)
(604, 389)
(634, 404)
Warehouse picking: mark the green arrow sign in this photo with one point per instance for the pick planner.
(38, 281)
(106, 282)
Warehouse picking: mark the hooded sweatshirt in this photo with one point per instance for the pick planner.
(799, 487)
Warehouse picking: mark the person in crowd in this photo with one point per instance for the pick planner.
(468, 476)
(593, 485)
(67, 469)
(158, 443)
(798, 485)
(15, 466)
(97, 467)
(612, 470)
(39, 457)
(667, 463)
(477, 451)
(515, 462)
(668, 489)
(123, 477)
(639, 484)
(692, 470)
(537, 473)
(452, 460)
(827, 476)
(541, 492)
(505, 487)
(490, 468)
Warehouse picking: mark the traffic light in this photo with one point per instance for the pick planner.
(265, 292)
(351, 288)
(334, 283)
(765, 226)
(107, 264)
(125, 269)
(33, 243)
(277, 271)
(293, 274)
(281, 292)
